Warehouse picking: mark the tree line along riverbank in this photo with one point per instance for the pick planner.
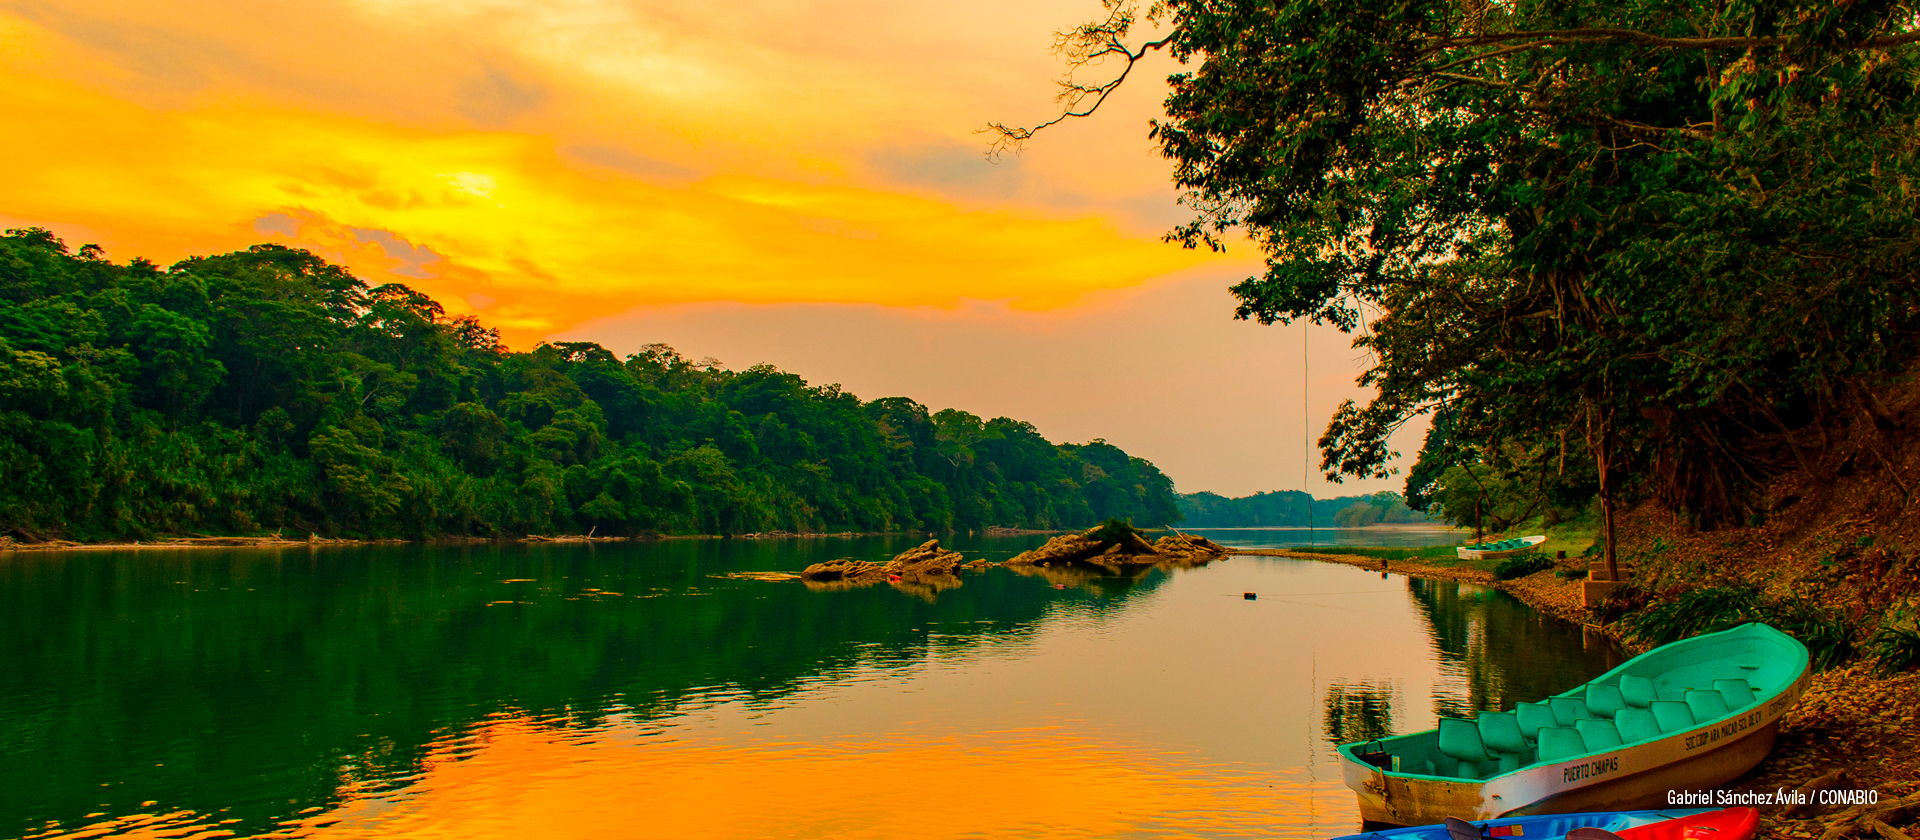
(267, 392)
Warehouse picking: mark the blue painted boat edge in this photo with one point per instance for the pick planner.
(1596, 819)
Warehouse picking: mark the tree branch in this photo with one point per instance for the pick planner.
(1012, 138)
(1636, 36)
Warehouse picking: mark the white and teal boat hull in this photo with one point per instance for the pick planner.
(1672, 719)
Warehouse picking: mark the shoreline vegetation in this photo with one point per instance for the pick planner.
(8, 543)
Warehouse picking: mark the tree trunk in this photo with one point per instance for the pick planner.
(1601, 442)
(1603, 456)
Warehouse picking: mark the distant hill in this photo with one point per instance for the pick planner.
(1288, 508)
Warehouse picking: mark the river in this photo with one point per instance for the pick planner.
(662, 689)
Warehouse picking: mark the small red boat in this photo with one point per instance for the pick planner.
(1724, 824)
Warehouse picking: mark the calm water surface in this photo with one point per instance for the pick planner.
(659, 690)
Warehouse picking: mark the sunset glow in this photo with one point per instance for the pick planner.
(536, 222)
(591, 170)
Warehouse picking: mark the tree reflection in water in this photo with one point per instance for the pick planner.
(1359, 711)
(1495, 651)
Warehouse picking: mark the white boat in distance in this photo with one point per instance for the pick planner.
(1503, 548)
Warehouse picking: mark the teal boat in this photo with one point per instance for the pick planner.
(1687, 716)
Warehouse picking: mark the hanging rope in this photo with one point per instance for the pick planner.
(1306, 430)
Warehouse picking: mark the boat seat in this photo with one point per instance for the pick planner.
(1605, 700)
(1672, 715)
(1637, 691)
(1707, 705)
(1558, 742)
(1636, 725)
(1501, 733)
(1460, 740)
(1532, 716)
(1598, 734)
(1737, 692)
(1566, 710)
(1510, 762)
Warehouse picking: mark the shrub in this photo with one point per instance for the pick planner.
(1522, 565)
(1703, 610)
(1112, 531)
(1825, 632)
(1828, 637)
(1896, 647)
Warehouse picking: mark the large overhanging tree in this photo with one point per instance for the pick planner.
(1665, 234)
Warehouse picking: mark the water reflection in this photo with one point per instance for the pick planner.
(1496, 651)
(561, 690)
(1359, 712)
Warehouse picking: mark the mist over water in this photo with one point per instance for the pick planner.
(661, 690)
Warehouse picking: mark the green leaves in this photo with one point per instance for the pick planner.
(266, 389)
(1663, 223)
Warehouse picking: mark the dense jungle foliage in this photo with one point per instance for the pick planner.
(1672, 238)
(266, 390)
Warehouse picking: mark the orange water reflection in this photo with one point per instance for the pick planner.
(516, 779)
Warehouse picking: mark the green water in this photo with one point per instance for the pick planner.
(241, 689)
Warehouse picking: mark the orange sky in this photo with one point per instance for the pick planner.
(599, 169)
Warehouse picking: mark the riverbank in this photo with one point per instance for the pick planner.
(1855, 728)
(8, 543)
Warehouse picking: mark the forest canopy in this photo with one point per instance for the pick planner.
(1672, 239)
(1291, 509)
(266, 390)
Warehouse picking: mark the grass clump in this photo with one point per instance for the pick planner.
(1428, 553)
(1113, 531)
(1704, 610)
(1825, 632)
(1896, 647)
(1521, 565)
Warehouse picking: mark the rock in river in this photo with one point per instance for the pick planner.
(1116, 545)
(926, 559)
(845, 568)
(923, 563)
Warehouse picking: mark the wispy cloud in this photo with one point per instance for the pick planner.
(559, 160)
